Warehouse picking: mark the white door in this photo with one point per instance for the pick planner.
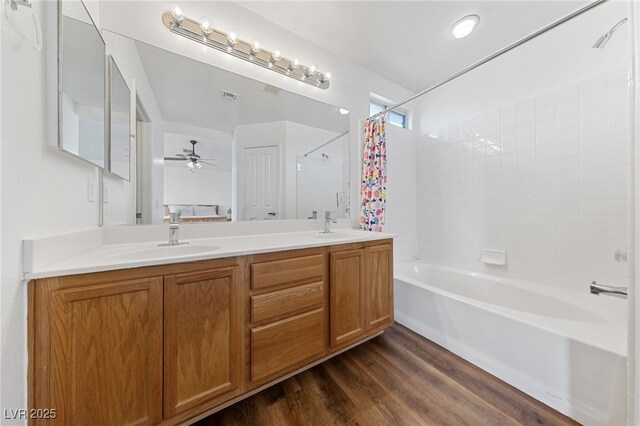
(260, 199)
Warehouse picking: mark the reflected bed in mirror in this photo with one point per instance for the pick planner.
(81, 120)
(221, 147)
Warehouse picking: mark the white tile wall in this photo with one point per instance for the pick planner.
(400, 212)
(545, 179)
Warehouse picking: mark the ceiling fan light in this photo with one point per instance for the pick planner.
(190, 164)
(198, 165)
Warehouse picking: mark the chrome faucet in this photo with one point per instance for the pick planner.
(328, 220)
(174, 227)
(608, 290)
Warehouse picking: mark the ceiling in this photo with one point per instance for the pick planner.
(190, 92)
(406, 41)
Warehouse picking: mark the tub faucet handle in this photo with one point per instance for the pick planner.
(608, 290)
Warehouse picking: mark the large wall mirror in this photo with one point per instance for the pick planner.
(82, 69)
(222, 147)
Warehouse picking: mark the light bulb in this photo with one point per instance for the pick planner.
(270, 65)
(276, 55)
(327, 76)
(255, 46)
(229, 49)
(205, 26)
(295, 63)
(313, 68)
(232, 37)
(198, 165)
(176, 12)
(464, 26)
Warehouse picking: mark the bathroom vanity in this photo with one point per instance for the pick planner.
(176, 340)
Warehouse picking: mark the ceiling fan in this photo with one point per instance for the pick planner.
(194, 161)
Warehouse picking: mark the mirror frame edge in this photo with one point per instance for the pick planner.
(60, 61)
(111, 62)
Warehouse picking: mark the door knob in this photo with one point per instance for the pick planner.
(272, 213)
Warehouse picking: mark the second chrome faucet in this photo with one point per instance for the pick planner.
(174, 228)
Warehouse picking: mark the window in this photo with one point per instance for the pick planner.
(396, 118)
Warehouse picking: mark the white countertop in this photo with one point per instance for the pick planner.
(134, 255)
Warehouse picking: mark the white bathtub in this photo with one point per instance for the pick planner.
(564, 348)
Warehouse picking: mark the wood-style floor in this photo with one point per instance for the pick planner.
(398, 378)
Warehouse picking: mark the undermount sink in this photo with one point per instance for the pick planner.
(164, 252)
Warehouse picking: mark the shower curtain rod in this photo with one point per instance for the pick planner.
(327, 142)
(494, 55)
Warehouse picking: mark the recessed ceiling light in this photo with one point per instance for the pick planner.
(465, 26)
(343, 111)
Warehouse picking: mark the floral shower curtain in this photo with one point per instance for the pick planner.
(374, 176)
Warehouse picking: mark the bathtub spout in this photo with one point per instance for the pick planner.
(608, 290)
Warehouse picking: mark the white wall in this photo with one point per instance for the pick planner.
(119, 203)
(45, 195)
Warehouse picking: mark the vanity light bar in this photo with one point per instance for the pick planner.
(229, 43)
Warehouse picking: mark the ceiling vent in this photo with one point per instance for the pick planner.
(271, 89)
(229, 96)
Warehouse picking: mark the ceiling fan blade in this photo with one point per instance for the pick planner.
(181, 155)
(208, 164)
(174, 158)
(208, 159)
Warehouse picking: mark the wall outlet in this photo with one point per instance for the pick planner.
(91, 190)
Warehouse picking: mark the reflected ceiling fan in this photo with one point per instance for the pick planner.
(194, 161)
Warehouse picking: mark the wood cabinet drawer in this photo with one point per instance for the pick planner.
(287, 302)
(285, 345)
(287, 271)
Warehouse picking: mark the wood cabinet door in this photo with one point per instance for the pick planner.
(106, 353)
(347, 296)
(201, 338)
(379, 285)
